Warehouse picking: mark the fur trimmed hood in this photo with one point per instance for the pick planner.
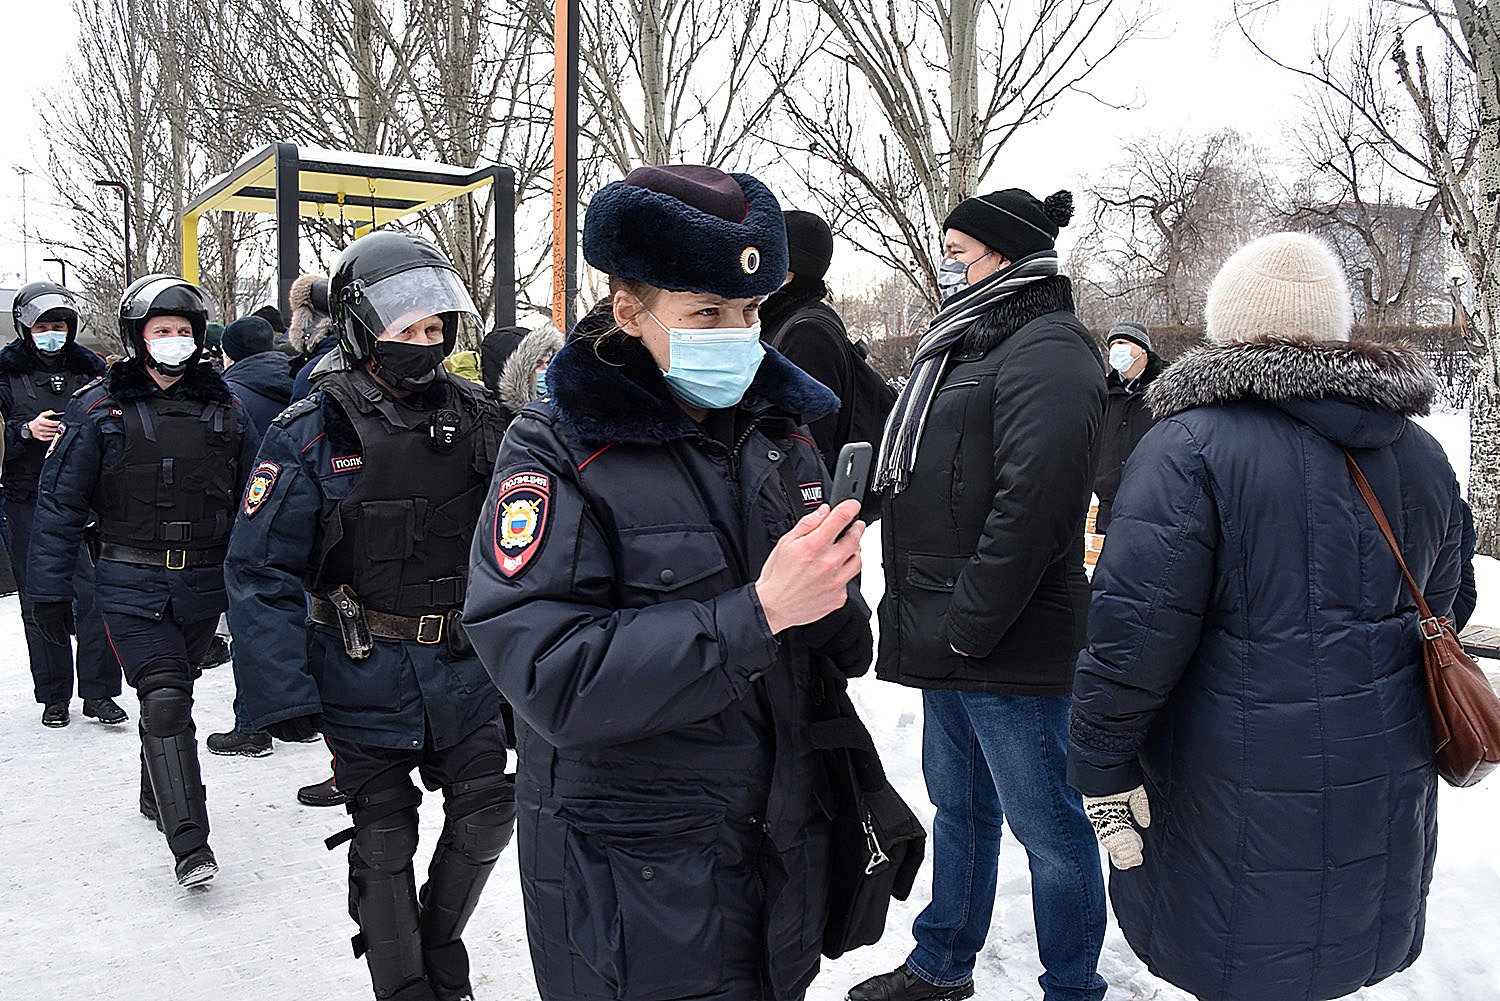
(618, 393)
(1393, 377)
(310, 322)
(517, 384)
(129, 380)
(18, 357)
(1049, 295)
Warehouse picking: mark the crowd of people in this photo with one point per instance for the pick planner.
(618, 556)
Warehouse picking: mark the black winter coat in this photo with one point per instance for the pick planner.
(984, 547)
(817, 344)
(1126, 421)
(23, 456)
(673, 841)
(263, 384)
(1254, 659)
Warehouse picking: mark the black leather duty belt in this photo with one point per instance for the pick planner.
(429, 630)
(172, 559)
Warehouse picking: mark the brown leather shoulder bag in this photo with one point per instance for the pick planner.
(1465, 711)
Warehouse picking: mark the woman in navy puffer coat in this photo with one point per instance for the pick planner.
(1254, 657)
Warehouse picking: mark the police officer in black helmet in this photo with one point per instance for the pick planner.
(39, 370)
(155, 452)
(365, 495)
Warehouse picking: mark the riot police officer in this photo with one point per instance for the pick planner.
(365, 495)
(156, 452)
(39, 370)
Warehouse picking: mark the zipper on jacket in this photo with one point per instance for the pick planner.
(959, 385)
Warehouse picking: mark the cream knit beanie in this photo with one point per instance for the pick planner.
(1284, 285)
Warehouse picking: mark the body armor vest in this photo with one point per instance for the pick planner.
(34, 393)
(175, 485)
(400, 539)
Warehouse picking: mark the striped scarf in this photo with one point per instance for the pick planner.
(903, 429)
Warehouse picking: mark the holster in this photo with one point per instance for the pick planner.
(352, 625)
(458, 640)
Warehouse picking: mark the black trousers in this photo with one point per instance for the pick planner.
(137, 641)
(354, 764)
(52, 665)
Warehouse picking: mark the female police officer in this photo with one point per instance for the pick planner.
(365, 495)
(631, 599)
(157, 450)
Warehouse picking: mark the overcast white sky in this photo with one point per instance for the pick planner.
(1196, 75)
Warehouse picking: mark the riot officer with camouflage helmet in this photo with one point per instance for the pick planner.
(365, 496)
(155, 453)
(39, 371)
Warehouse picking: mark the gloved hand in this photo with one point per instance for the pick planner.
(850, 645)
(297, 730)
(1111, 817)
(54, 620)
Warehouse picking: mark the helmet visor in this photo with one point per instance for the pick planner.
(144, 298)
(392, 304)
(30, 312)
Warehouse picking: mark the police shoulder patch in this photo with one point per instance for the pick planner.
(93, 383)
(262, 481)
(523, 508)
(62, 429)
(304, 406)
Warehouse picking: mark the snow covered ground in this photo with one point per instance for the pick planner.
(89, 909)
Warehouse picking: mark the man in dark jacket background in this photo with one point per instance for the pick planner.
(989, 460)
(1133, 366)
(255, 371)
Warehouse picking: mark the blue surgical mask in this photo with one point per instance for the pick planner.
(713, 368)
(1121, 357)
(541, 384)
(50, 341)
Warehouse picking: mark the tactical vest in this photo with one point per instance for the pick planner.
(400, 539)
(175, 484)
(32, 394)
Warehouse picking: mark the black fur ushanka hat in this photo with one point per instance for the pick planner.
(689, 228)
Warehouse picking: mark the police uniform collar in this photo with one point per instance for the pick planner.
(18, 357)
(618, 393)
(129, 380)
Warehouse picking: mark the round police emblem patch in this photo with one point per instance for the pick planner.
(750, 260)
(522, 508)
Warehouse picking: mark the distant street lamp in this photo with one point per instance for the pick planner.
(25, 239)
(125, 197)
(60, 262)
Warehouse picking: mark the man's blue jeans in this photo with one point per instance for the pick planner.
(992, 758)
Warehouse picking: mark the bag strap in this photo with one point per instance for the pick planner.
(1429, 621)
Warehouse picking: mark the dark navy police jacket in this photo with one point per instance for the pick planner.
(23, 456)
(93, 439)
(673, 838)
(286, 667)
(1254, 659)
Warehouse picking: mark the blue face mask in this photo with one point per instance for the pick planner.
(50, 341)
(713, 368)
(1121, 357)
(541, 384)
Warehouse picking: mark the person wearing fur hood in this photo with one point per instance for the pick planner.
(523, 377)
(1249, 724)
(310, 333)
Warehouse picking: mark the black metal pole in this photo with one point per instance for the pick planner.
(288, 203)
(505, 247)
(62, 264)
(125, 200)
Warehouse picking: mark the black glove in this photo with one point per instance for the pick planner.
(297, 730)
(54, 620)
(849, 644)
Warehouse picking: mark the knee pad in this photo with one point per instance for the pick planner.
(166, 692)
(480, 809)
(385, 821)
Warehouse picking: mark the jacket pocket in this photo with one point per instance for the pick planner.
(641, 895)
(361, 685)
(934, 573)
(667, 560)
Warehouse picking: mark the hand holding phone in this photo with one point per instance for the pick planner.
(851, 473)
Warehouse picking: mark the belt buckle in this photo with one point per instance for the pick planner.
(176, 559)
(435, 636)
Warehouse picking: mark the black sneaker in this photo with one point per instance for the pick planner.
(197, 867)
(55, 714)
(903, 985)
(216, 654)
(105, 711)
(251, 745)
(321, 794)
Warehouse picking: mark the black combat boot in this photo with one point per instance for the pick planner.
(55, 714)
(105, 711)
(903, 985)
(250, 745)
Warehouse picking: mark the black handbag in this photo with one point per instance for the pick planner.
(878, 843)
